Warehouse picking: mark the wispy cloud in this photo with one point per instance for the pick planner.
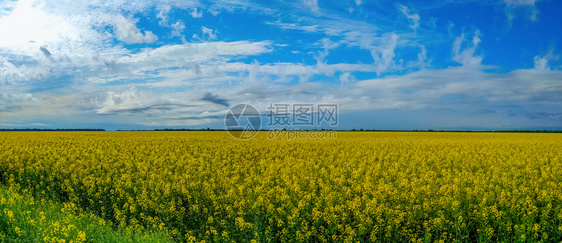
(528, 7)
(413, 18)
(210, 33)
(467, 56)
(312, 5)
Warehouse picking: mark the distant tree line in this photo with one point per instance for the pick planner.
(43, 130)
(531, 131)
(431, 130)
(187, 129)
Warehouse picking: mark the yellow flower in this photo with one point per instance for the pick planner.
(18, 231)
(81, 237)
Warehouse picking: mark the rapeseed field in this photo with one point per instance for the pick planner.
(360, 187)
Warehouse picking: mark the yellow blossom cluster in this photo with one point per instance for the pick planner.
(362, 186)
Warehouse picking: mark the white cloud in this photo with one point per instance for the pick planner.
(358, 2)
(295, 26)
(126, 100)
(66, 27)
(152, 63)
(520, 2)
(195, 13)
(541, 63)
(43, 28)
(197, 51)
(175, 109)
(211, 34)
(178, 28)
(458, 87)
(312, 5)
(467, 56)
(163, 15)
(347, 78)
(383, 52)
(379, 43)
(381, 49)
(10, 97)
(133, 101)
(432, 23)
(422, 56)
(321, 65)
(413, 18)
(13, 99)
(9, 73)
(462, 89)
(529, 6)
(125, 30)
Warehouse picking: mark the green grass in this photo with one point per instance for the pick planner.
(26, 219)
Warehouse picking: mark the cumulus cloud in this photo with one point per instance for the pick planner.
(10, 74)
(541, 63)
(178, 28)
(125, 30)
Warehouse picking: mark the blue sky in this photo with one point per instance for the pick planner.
(121, 64)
